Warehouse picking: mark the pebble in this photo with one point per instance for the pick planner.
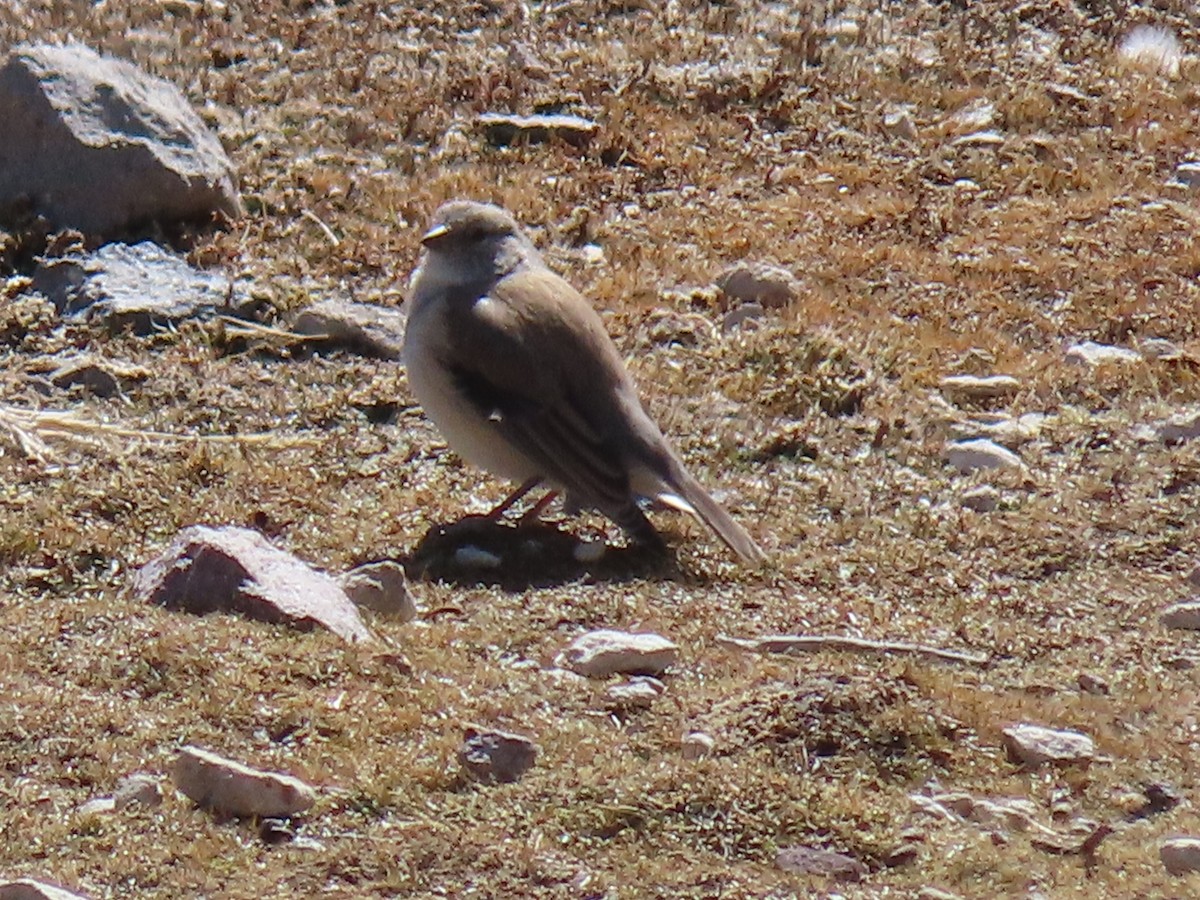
(382, 587)
(1034, 745)
(978, 387)
(977, 115)
(988, 140)
(1180, 427)
(697, 745)
(1187, 176)
(1006, 430)
(1089, 353)
(502, 129)
(1091, 683)
(230, 788)
(1158, 348)
(1180, 855)
(770, 286)
(981, 499)
(638, 692)
(138, 789)
(741, 315)
(817, 861)
(99, 377)
(1185, 614)
(898, 122)
(236, 569)
(599, 654)
(981, 453)
(363, 328)
(496, 757)
(139, 286)
(29, 889)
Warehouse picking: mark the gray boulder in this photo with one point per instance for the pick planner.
(96, 144)
(141, 286)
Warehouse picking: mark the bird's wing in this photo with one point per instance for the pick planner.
(529, 355)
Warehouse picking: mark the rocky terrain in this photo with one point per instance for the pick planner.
(915, 289)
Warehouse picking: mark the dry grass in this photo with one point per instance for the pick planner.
(728, 131)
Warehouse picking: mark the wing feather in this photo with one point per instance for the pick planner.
(528, 365)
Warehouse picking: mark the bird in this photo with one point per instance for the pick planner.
(517, 371)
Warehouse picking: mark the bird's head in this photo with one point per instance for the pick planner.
(474, 231)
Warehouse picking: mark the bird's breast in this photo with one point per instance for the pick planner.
(467, 425)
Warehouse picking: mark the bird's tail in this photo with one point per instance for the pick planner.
(689, 496)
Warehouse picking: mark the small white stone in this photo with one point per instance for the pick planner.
(981, 453)
(979, 387)
(934, 893)
(768, 285)
(845, 30)
(229, 787)
(975, 116)
(138, 789)
(1015, 432)
(97, 806)
(1180, 855)
(988, 140)
(697, 745)
(898, 122)
(740, 315)
(381, 586)
(638, 692)
(1188, 174)
(1159, 348)
(564, 676)
(1180, 427)
(1185, 614)
(1010, 432)
(599, 654)
(28, 889)
(1089, 353)
(1034, 745)
(981, 499)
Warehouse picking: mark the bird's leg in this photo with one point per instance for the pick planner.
(639, 528)
(508, 502)
(538, 508)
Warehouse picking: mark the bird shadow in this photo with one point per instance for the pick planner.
(481, 551)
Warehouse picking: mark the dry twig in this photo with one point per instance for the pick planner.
(789, 643)
(30, 429)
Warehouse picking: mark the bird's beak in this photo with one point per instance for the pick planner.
(437, 231)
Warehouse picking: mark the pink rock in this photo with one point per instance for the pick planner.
(1035, 745)
(231, 788)
(237, 570)
(28, 889)
(815, 861)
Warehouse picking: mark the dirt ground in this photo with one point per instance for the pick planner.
(958, 188)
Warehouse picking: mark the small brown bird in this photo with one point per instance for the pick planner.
(517, 371)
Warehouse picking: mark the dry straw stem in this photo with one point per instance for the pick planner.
(789, 643)
(243, 328)
(30, 429)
